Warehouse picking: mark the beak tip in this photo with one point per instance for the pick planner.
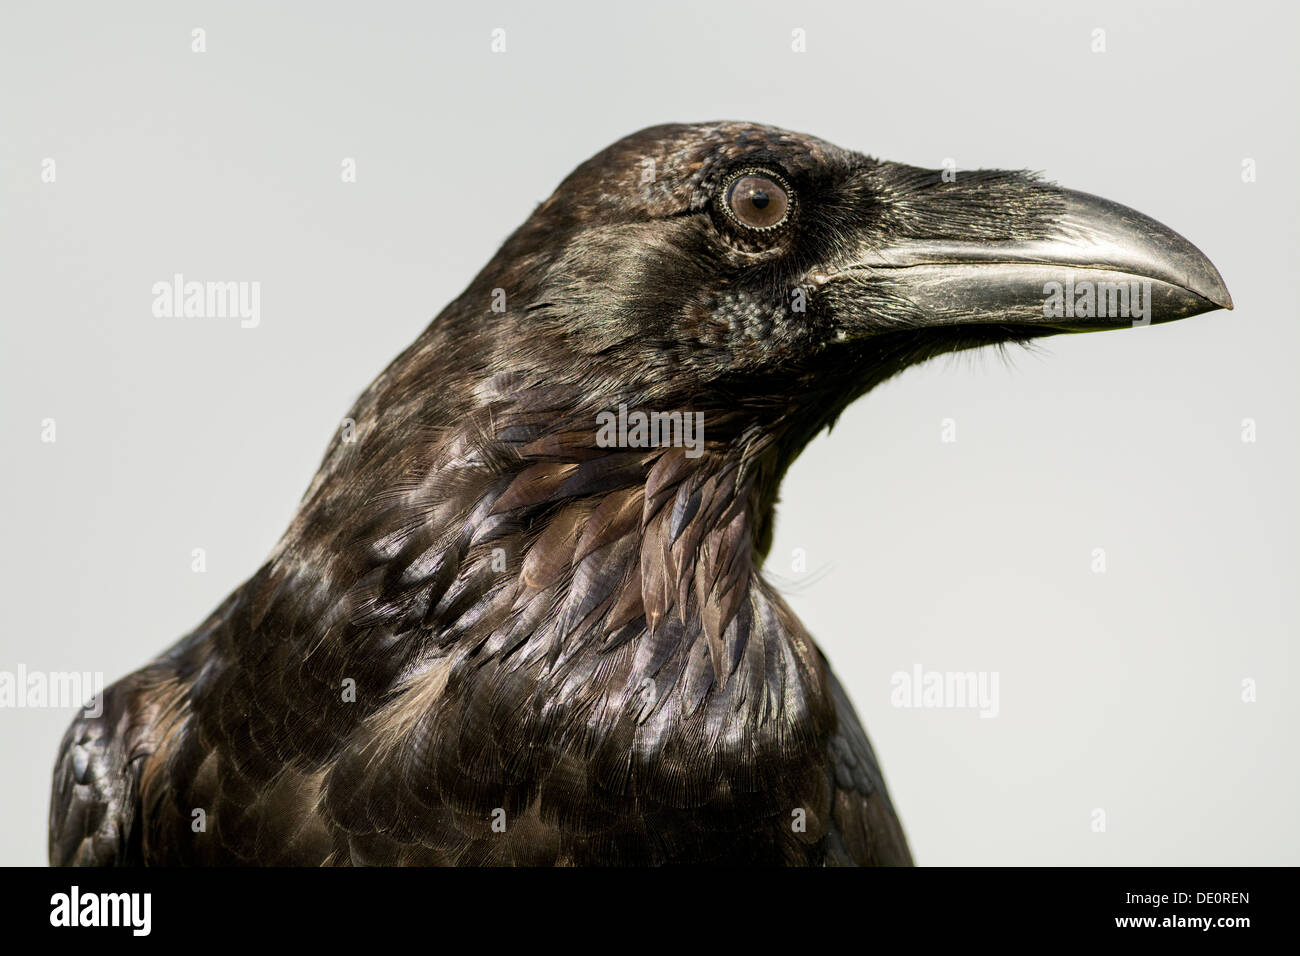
(1227, 299)
(1215, 289)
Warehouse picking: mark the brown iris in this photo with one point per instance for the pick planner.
(758, 201)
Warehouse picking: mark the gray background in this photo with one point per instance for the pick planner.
(1119, 691)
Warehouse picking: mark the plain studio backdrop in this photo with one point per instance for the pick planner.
(1156, 697)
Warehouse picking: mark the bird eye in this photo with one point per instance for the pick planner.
(758, 201)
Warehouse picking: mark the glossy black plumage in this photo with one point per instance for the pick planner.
(561, 652)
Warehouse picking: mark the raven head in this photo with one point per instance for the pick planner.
(740, 260)
(759, 281)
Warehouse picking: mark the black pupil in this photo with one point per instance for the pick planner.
(759, 199)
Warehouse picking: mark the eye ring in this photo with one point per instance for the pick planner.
(771, 200)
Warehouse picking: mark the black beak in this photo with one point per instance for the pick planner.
(1098, 265)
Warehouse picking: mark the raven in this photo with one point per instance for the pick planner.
(518, 617)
